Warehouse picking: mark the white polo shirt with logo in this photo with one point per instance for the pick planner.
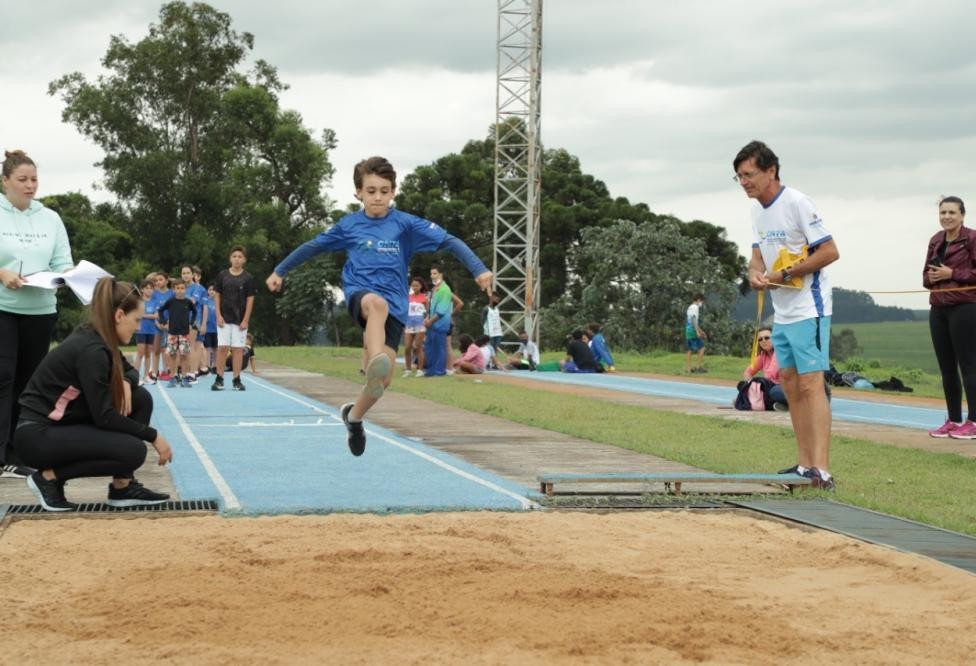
(791, 221)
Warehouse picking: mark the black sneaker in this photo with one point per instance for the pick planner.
(357, 434)
(15, 471)
(134, 494)
(780, 407)
(218, 384)
(818, 482)
(50, 494)
(237, 385)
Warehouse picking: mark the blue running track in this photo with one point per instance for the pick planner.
(268, 450)
(844, 409)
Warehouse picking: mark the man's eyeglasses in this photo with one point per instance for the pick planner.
(763, 338)
(739, 177)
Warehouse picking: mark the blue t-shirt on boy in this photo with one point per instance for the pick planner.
(379, 250)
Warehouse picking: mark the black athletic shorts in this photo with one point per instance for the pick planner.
(394, 327)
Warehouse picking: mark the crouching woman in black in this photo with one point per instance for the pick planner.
(83, 412)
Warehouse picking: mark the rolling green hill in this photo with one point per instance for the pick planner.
(903, 343)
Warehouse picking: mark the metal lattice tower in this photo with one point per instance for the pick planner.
(518, 157)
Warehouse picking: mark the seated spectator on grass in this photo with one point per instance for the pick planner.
(598, 345)
(491, 354)
(579, 358)
(767, 366)
(527, 355)
(472, 361)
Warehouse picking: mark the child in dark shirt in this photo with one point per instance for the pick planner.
(179, 312)
(579, 357)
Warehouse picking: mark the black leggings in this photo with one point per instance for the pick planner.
(81, 450)
(952, 331)
(24, 341)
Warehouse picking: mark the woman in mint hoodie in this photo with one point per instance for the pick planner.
(32, 239)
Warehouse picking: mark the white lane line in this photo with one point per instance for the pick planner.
(523, 501)
(230, 499)
(260, 424)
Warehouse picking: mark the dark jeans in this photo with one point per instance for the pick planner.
(952, 331)
(24, 341)
(82, 450)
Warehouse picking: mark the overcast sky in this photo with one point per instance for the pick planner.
(870, 105)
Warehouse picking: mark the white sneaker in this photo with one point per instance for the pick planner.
(419, 373)
(408, 373)
(450, 371)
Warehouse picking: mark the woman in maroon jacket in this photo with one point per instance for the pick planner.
(83, 412)
(949, 265)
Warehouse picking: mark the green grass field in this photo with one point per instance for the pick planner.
(932, 488)
(904, 344)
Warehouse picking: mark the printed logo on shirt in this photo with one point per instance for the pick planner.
(379, 246)
(816, 220)
(773, 236)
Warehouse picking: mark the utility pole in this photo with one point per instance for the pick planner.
(518, 157)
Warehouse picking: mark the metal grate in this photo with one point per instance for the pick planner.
(100, 507)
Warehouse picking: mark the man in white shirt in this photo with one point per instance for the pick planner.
(527, 356)
(791, 247)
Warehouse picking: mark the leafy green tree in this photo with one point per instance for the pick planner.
(638, 279)
(843, 345)
(457, 192)
(198, 151)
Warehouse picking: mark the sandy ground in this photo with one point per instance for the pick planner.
(538, 588)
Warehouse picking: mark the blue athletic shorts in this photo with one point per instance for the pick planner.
(145, 338)
(694, 344)
(803, 345)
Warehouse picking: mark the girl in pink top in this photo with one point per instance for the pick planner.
(765, 360)
(767, 364)
(472, 361)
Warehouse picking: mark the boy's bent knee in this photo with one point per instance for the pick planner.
(374, 304)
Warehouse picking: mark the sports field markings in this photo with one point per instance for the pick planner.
(523, 501)
(269, 424)
(230, 499)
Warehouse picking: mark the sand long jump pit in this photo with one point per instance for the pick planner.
(481, 588)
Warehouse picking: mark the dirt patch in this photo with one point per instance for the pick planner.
(539, 588)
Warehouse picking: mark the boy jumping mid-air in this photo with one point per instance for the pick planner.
(380, 242)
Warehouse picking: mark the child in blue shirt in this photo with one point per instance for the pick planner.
(379, 242)
(146, 334)
(598, 345)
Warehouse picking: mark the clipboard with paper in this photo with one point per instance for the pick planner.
(81, 280)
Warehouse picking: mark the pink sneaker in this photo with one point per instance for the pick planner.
(945, 429)
(966, 431)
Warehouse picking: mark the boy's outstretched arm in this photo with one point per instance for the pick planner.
(327, 241)
(463, 253)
